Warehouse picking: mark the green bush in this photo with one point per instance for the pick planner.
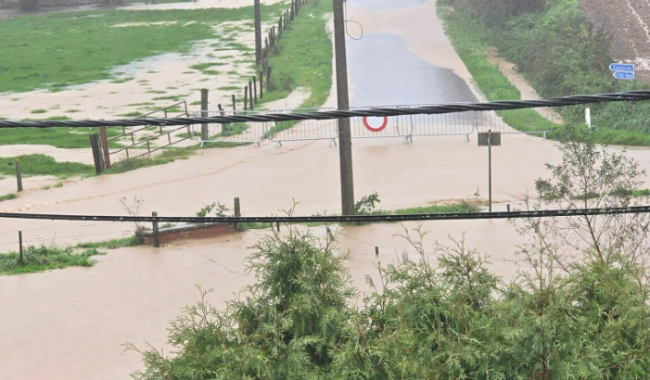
(558, 52)
(578, 309)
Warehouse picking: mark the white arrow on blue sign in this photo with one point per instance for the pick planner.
(624, 75)
(627, 68)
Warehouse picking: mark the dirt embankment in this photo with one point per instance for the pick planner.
(628, 24)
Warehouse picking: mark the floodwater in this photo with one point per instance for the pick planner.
(398, 39)
(384, 71)
(71, 324)
(384, 5)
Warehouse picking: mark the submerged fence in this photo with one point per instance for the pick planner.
(405, 127)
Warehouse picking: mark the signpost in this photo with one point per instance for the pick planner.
(622, 67)
(489, 139)
(623, 71)
(624, 75)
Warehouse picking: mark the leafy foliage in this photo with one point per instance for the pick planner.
(557, 51)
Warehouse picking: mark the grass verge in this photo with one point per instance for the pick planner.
(130, 241)
(462, 206)
(40, 164)
(39, 259)
(56, 137)
(471, 38)
(303, 60)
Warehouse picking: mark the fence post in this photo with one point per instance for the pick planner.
(250, 94)
(223, 126)
(292, 10)
(107, 156)
(21, 258)
(94, 145)
(234, 104)
(156, 232)
(258, 32)
(255, 88)
(245, 98)
(204, 113)
(237, 214)
(268, 78)
(262, 85)
(19, 176)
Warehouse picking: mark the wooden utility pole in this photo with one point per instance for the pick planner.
(258, 32)
(345, 135)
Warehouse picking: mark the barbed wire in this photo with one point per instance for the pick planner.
(630, 96)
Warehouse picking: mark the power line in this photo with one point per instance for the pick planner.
(341, 218)
(630, 96)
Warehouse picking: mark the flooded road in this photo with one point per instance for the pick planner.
(398, 54)
(384, 71)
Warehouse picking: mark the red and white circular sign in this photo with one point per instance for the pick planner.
(375, 124)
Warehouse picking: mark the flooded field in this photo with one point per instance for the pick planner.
(74, 322)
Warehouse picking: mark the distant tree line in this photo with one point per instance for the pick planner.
(494, 12)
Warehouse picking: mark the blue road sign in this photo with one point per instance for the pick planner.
(623, 75)
(622, 67)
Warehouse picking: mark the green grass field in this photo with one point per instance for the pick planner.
(61, 49)
(39, 259)
(39, 164)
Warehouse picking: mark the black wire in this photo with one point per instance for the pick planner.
(341, 219)
(343, 114)
(347, 21)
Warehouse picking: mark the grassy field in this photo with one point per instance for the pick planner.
(57, 137)
(39, 259)
(61, 49)
(39, 164)
(304, 57)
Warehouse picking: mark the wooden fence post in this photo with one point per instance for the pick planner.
(107, 155)
(246, 98)
(19, 176)
(268, 78)
(97, 156)
(234, 104)
(223, 126)
(204, 113)
(255, 88)
(21, 258)
(156, 232)
(237, 214)
(262, 85)
(250, 94)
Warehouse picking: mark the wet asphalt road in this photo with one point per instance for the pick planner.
(383, 71)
